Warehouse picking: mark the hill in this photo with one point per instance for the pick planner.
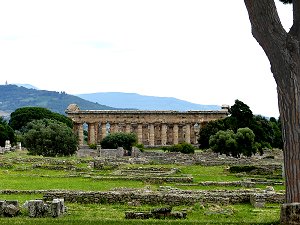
(13, 97)
(142, 102)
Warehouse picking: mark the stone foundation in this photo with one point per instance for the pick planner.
(165, 197)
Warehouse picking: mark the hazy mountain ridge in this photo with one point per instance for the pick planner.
(143, 102)
(13, 97)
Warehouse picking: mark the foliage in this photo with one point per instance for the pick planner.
(224, 142)
(93, 146)
(209, 129)
(184, 147)
(242, 114)
(20, 117)
(241, 169)
(50, 138)
(141, 147)
(234, 144)
(267, 132)
(6, 132)
(245, 141)
(115, 140)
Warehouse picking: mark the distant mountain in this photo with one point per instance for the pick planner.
(142, 102)
(29, 86)
(13, 97)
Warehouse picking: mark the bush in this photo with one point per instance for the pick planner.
(93, 146)
(224, 142)
(115, 140)
(241, 169)
(141, 147)
(184, 147)
(6, 132)
(49, 138)
(245, 141)
(229, 143)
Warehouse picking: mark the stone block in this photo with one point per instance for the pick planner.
(11, 210)
(290, 213)
(2, 206)
(57, 207)
(36, 208)
(257, 200)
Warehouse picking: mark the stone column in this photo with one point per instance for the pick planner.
(113, 128)
(188, 133)
(163, 134)
(175, 134)
(128, 128)
(151, 135)
(91, 133)
(103, 130)
(140, 133)
(80, 134)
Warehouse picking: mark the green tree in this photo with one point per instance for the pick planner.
(20, 117)
(245, 139)
(241, 115)
(6, 132)
(234, 144)
(283, 51)
(115, 140)
(49, 137)
(208, 130)
(224, 142)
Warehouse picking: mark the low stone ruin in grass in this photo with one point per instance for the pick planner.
(157, 213)
(34, 208)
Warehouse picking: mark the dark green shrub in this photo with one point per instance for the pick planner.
(141, 147)
(93, 146)
(125, 140)
(241, 169)
(6, 133)
(49, 138)
(184, 147)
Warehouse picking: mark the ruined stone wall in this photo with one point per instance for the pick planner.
(171, 198)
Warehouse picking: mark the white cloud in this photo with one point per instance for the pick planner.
(201, 51)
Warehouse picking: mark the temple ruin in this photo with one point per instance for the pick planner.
(153, 128)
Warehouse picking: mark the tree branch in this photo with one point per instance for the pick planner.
(295, 30)
(266, 25)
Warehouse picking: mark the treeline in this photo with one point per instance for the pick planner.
(267, 132)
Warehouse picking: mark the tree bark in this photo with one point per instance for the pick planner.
(282, 50)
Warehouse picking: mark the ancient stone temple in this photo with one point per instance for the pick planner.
(153, 128)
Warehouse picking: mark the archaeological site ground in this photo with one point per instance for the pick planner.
(153, 187)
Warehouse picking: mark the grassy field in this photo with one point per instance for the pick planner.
(21, 174)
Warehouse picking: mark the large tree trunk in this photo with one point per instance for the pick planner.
(282, 50)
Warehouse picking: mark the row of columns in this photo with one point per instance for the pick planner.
(147, 134)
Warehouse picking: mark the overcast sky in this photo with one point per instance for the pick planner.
(195, 50)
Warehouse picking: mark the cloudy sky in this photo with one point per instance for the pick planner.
(195, 50)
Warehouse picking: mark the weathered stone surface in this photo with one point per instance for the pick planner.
(170, 197)
(153, 128)
(290, 214)
(158, 213)
(37, 208)
(11, 210)
(2, 205)
(57, 207)
(258, 200)
(138, 215)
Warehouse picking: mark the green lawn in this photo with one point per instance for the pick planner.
(24, 176)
